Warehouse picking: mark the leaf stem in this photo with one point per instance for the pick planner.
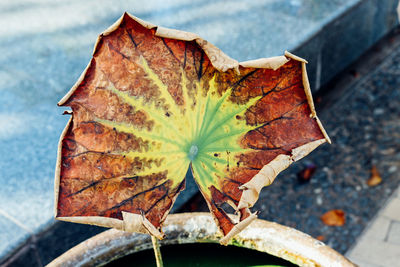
(157, 252)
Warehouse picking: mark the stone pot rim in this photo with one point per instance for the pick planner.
(187, 228)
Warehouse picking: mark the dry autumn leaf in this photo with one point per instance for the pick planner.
(334, 218)
(305, 175)
(375, 178)
(154, 102)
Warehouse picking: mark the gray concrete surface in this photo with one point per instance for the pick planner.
(379, 244)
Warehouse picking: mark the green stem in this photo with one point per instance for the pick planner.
(157, 252)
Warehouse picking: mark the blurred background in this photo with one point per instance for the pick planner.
(353, 51)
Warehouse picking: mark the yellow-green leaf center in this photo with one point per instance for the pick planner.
(205, 131)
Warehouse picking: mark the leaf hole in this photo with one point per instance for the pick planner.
(227, 208)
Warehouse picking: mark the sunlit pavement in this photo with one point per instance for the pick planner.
(379, 245)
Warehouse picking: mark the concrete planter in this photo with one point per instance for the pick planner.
(188, 228)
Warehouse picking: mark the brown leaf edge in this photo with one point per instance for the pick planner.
(222, 62)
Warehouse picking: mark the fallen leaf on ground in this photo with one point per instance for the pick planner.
(306, 174)
(375, 178)
(320, 238)
(334, 218)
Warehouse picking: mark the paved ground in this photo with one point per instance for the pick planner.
(379, 245)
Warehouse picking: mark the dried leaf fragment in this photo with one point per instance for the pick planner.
(306, 174)
(334, 218)
(375, 177)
